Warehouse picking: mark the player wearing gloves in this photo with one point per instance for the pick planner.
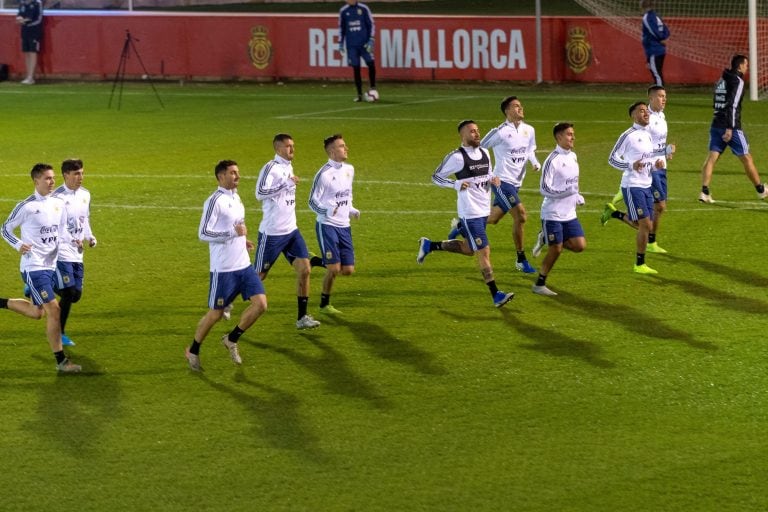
(470, 165)
(357, 31)
(560, 187)
(69, 265)
(331, 199)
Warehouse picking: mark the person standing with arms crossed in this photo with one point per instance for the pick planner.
(357, 31)
(634, 155)
(559, 185)
(69, 265)
(655, 35)
(278, 231)
(470, 165)
(331, 199)
(223, 227)
(30, 17)
(726, 131)
(43, 223)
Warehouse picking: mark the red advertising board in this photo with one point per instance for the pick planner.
(265, 47)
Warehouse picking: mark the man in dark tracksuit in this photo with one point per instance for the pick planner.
(357, 30)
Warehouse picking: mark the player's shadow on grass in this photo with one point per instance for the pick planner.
(632, 319)
(738, 274)
(332, 368)
(277, 417)
(75, 410)
(722, 299)
(553, 343)
(389, 348)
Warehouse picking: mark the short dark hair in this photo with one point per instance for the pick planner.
(281, 137)
(505, 103)
(655, 88)
(561, 127)
(71, 164)
(737, 60)
(330, 140)
(465, 123)
(636, 104)
(222, 167)
(39, 169)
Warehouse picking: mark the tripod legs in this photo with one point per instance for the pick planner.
(129, 45)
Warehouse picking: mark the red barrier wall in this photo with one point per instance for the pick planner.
(259, 46)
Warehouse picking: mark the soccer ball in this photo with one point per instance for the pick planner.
(372, 95)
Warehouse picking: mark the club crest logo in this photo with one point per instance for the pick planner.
(66, 279)
(639, 212)
(578, 51)
(328, 255)
(478, 241)
(44, 295)
(220, 302)
(260, 47)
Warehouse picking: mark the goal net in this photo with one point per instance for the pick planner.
(702, 31)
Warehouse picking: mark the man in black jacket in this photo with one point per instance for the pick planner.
(726, 128)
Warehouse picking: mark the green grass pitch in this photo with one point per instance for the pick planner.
(625, 392)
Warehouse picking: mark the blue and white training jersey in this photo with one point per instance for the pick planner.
(471, 166)
(559, 184)
(43, 222)
(634, 145)
(77, 204)
(331, 194)
(657, 126)
(222, 211)
(356, 25)
(512, 146)
(276, 190)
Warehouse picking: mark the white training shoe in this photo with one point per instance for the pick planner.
(28, 81)
(541, 242)
(234, 353)
(67, 366)
(543, 290)
(706, 198)
(228, 311)
(307, 322)
(765, 192)
(194, 361)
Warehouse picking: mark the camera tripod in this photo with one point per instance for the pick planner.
(129, 45)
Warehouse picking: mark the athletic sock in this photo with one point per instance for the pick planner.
(492, 286)
(541, 281)
(435, 246)
(760, 188)
(3, 303)
(520, 256)
(640, 259)
(59, 356)
(651, 238)
(618, 215)
(316, 261)
(303, 302)
(194, 348)
(325, 299)
(235, 334)
(705, 190)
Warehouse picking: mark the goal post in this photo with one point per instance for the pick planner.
(706, 32)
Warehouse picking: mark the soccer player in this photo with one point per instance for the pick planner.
(43, 223)
(278, 231)
(223, 227)
(470, 165)
(30, 17)
(559, 185)
(331, 199)
(726, 129)
(69, 265)
(634, 155)
(655, 35)
(657, 101)
(357, 31)
(514, 144)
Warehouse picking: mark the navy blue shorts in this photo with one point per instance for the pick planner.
(225, 286)
(355, 53)
(335, 244)
(506, 196)
(558, 231)
(639, 202)
(69, 275)
(738, 143)
(659, 185)
(269, 248)
(41, 284)
(473, 231)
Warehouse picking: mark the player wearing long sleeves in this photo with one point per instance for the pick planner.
(331, 199)
(655, 35)
(278, 231)
(726, 129)
(222, 226)
(70, 269)
(470, 165)
(30, 17)
(43, 222)
(635, 156)
(514, 145)
(357, 31)
(559, 184)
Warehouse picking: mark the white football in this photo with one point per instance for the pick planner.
(372, 95)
